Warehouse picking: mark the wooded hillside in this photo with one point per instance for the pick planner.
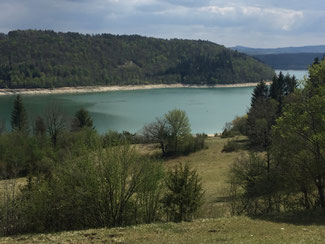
(30, 59)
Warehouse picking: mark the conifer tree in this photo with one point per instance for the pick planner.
(19, 121)
(82, 119)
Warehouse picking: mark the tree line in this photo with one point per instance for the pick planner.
(285, 126)
(46, 59)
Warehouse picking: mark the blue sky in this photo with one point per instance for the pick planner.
(253, 23)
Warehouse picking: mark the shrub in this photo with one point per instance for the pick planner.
(114, 138)
(255, 188)
(237, 127)
(231, 146)
(193, 143)
(114, 187)
(173, 133)
(184, 194)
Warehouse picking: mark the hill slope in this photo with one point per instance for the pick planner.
(49, 59)
(295, 61)
(222, 230)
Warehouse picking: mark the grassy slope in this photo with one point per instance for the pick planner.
(212, 166)
(221, 230)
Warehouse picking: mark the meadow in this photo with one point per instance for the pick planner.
(214, 223)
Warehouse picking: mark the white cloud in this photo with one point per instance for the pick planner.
(229, 22)
(219, 10)
(254, 16)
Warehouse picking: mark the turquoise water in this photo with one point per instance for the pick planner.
(298, 73)
(207, 108)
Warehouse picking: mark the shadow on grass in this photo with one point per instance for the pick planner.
(308, 217)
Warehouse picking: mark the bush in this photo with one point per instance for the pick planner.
(255, 188)
(114, 187)
(21, 155)
(114, 138)
(237, 127)
(173, 133)
(193, 143)
(231, 146)
(184, 194)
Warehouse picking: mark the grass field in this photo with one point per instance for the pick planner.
(215, 225)
(221, 230)
(212, 166)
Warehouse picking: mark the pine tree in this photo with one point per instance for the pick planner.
(82, 119)
(40, 126)
(19, 121)
(261, 92)
(184, 193)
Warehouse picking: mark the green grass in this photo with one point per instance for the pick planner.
(221, 230)
(214, 225)
(212, 166)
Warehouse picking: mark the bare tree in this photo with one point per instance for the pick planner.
(157, 132)
(55, 122)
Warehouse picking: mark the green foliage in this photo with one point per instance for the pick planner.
(237, 127)
(289, 61)
(47, 59)
(178, 127)
(317, 74)
(261, 92)
(260, 119)
(82, 119)
(114, 138)
(184, 194)
(19, 120)
(231, 146)
(266, 107)
(299, 142)
(55, 122)
(291, 174)
(173, 133)
(21, 155)
(40, 126)
(114, 187)
(254, 187)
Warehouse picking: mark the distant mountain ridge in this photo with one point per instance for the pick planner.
(281, 50)
(289, 61)
(296, 58)
(32, 59)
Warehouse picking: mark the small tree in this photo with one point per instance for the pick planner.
(157, 132)
(40, 126)
(178, 127)
(172, 132)
(184, 193)
(19, 121)
(81, 119)
(55, 122)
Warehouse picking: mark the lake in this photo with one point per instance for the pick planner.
(298, 73)
(208, 109)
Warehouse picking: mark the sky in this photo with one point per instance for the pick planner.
(252, 23)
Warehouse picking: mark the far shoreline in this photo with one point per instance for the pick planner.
(93, 89)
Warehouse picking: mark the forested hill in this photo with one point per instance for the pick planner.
(286, 61)
(30, 59)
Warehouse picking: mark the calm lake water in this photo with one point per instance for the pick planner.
(207, 108)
